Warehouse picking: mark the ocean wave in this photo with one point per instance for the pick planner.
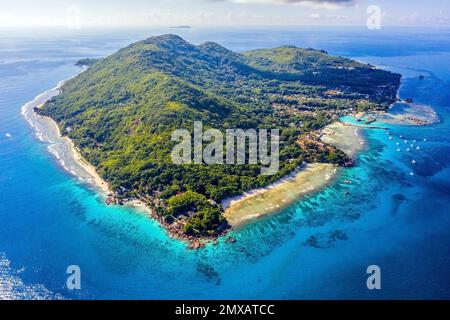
(52, 149)
(12, 286)
(47, 131)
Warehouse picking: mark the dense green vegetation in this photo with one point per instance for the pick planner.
(206, 216)
(121, 112)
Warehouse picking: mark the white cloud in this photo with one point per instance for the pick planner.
(323, 4)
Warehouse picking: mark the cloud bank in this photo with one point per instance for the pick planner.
(327, 4)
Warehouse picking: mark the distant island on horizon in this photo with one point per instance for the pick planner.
(121, 111)
(181, 27)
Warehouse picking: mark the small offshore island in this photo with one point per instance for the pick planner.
(118, 116)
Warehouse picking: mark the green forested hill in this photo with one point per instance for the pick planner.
(122, 110)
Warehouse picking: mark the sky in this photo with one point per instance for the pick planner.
(79, 14)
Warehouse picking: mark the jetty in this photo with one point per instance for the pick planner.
(362, 126)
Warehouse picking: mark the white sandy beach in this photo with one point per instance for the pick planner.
(239, 209)
(312, 178)
(279, 195)
(413, 114)
(62, 148)
(346, 138)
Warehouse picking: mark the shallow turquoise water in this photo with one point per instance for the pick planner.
(50, 220)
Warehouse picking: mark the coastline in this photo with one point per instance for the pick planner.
(71, 160)
(64, 149)
(309, 179)
(238, 210)
(409, 114)
(402, 112)
(346, 138)
(263, 201)
(279, 195)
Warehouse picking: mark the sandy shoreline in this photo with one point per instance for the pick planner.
(239, 209)
(279, 195)
(312, 178)
(412, 114)
(284, 192)
(63, 149)
(348, 139)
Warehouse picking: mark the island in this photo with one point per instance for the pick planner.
(121, 111)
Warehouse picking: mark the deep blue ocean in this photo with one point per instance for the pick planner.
(396, 216)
